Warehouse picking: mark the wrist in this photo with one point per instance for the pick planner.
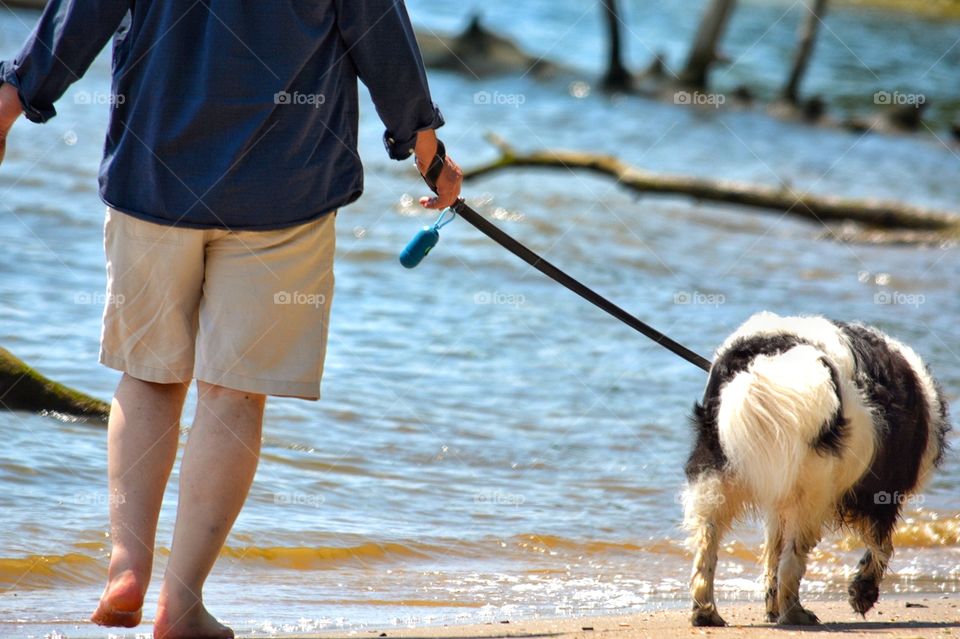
(10, 107)
(425, 147)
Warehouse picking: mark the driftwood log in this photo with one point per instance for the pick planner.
(903, 222)
(22, 388)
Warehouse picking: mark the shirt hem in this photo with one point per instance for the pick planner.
(186, 223)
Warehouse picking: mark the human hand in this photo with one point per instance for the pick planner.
(450, 179)
(10, 110)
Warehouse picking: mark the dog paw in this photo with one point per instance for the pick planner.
(863, 594)
(773, 605)
(707, 616)
(798, 616)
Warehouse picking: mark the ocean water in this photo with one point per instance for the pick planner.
(489, 446)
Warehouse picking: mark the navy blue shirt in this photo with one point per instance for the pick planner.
(239, 114)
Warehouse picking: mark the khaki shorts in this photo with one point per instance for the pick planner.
(247, 310)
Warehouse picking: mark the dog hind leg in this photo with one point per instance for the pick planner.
(711, 507)
(772, 550)
(797, 543)
(864, 588)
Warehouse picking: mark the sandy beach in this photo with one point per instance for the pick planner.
(916, 616)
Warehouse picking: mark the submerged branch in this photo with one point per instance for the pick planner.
(873, 214)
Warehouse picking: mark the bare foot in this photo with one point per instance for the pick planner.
(121, 603)
(187, 619)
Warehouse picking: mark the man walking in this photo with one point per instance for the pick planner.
(231, 144)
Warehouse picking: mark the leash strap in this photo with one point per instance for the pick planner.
(506, 241)
(436, 166)
(557, 275)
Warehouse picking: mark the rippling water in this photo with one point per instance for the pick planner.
(488, 445)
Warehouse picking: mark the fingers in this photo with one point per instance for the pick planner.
(448, 187)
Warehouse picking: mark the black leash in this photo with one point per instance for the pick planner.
(506, 241)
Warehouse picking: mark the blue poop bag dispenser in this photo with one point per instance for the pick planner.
(425, 239)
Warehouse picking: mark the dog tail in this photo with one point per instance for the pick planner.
(774, 414)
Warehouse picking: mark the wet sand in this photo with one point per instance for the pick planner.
(926, 616)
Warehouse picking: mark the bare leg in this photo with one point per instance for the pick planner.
(772, 550)
(142, 438)
(865, 587)
(219, 462)
(710, 509)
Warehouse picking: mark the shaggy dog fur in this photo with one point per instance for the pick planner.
(809, 423)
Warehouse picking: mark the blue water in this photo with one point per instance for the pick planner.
(488, 443)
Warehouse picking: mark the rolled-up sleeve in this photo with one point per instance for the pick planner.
(61, 47)
(381, 43)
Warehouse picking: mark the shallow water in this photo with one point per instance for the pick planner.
(488, 445)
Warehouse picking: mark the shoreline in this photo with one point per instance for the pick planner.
(907, 616)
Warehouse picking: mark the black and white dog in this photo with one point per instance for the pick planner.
(808, 423)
